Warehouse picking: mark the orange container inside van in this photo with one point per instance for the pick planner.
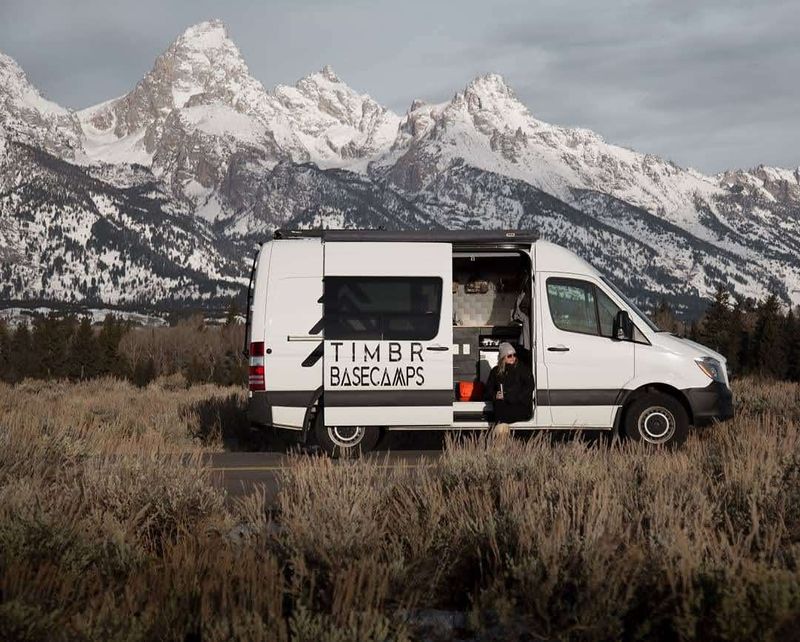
(470, 391)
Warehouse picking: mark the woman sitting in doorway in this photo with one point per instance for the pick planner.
(510, 389)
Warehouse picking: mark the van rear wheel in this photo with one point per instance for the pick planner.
(657, 419)
(345, 441)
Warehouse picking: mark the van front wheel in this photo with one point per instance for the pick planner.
(344, 441)
(657, 419)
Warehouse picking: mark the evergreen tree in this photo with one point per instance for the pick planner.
(694, 330)
(792, 338)
(50, 341)
(745, 309)
(84, 354)
(737, 337)
(19, 356)
(110, 361)
(715, 326)
(769, 348)
(5, 348)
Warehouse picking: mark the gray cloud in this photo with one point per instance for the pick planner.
(709, 84)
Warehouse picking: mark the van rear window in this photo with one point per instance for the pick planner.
(382, 308)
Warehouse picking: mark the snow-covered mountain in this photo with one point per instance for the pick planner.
(27, 116)
(225, 161)
(199, 113)
(69, 236)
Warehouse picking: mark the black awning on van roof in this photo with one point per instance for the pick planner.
(476, 237)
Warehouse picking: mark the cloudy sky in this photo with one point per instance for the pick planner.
(709, 84)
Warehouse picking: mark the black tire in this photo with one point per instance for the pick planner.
(657, 419)
(345, 441)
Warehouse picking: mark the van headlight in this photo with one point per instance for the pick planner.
(711, 367)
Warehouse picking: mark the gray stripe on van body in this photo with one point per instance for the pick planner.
(364, 397)
(593, 397)
(372, 397)
(289, 398)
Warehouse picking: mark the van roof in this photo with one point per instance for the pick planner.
(472, 237)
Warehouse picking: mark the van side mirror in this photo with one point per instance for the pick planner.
(623, 327)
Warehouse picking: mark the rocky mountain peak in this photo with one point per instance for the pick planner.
(487, 104)
(202, 66)
(765, 183)
(14, 85)
(328, 73)
(350, 124)
(209, 35)
(490, 85)
(29, 117)
(490, 93)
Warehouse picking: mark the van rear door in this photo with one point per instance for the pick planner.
(388, 311)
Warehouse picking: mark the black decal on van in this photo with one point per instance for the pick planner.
(385, 379)
(374, 377)
(336, 345)
(346, 381)
(314, 356)
(399, 380)
(420, 376)
(416, 351)
(372, 356)
(394, 351)
(410, 371)
(334, 375)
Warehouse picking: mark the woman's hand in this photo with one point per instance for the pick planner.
(499, 395)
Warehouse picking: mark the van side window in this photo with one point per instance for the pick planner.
(580, 306)
(382, 308)
(572, 305)
(608, 312)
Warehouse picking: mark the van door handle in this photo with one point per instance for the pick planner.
(437, 348)
(558, 348)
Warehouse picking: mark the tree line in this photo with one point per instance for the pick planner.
(66, 347)
(757, 337)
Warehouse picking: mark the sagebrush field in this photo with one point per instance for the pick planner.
(110, 528)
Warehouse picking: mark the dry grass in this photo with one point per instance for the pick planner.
(529, 539)
(110, 416)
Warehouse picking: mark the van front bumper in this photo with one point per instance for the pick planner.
(712, 403)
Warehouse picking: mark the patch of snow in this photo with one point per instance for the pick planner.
(105, 146)
(220, 120)
(210, 210)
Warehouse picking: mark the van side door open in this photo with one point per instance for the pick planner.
(387, 310)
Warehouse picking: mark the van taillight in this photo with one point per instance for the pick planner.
(256, 374)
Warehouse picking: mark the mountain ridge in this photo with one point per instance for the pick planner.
(234, 160)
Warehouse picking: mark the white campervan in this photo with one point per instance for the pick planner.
(355, 332)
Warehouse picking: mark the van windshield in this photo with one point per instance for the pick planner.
(632, 306)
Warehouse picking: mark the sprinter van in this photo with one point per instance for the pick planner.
(352, 333)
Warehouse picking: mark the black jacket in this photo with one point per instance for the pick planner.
(517, 402)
